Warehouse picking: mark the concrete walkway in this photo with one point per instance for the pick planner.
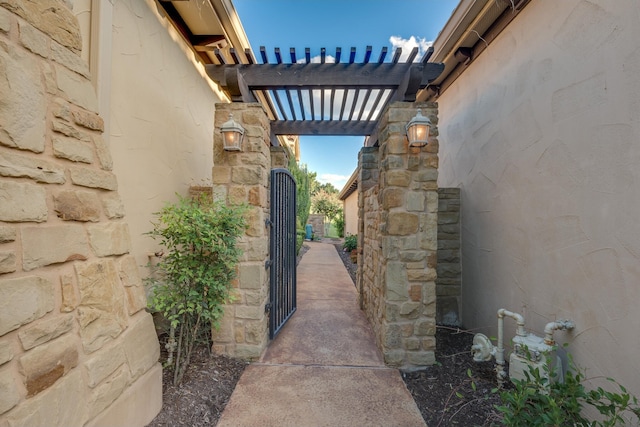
(324, 368)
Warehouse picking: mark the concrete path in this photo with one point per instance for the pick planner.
(324, 368)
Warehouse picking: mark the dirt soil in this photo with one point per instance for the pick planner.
(454, 392)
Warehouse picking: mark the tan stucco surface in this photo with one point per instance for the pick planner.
(351, 214)
(161, 118)
(541, 134)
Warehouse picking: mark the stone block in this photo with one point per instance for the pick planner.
(72, 149)
(63, 404)
(248, 351)
(107, 392)
(396, 282)
(103, 151)
(225, 332)
(140, 344)
(133, 286)
(45, 364)
(6, 352)
(425, 327)
(113, 206)
(110, 239)
(249, 312)
(5, 20)
(78, 89)
(23, 300)
(34, 40)
(9, 392)
(393, 357)
(255, 222)
(411, 310)
(392, 198)
(53, 244)
(45, 331)
(7, 262)
(77, 206)
(22, 120)
(258, 196)
(415, 293)
(66, 129)
(422, 275)
(247, 175)
(412, 344)
(415, 201)
(391, 336)
(22, 202)
(69, 298)
(402, 223)
(137, 405)
(251, 275)
(101, 312)
(71, 60)
(93, 178)
(256, 332)
(421, 358)
(18, 166)
(7, 234)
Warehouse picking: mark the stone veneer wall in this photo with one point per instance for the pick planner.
(76, 345)
(243, 177)
(448, 283)
(399, 236)
(317, 222)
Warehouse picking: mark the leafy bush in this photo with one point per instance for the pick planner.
(340, 223)
(350, 242)
(193, 278)
(536, 401)
(299, 240)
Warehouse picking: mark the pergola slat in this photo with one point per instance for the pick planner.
(344, 103)
(352, 56)
(338, 54)
(367, 54)
(383, 54)
(292, 52)
(263, 54)
(396, 55)
(412, 55)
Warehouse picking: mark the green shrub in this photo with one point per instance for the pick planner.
(193, 278)
(339, 223)
(299, 240)
(536, 401)
(350, 242)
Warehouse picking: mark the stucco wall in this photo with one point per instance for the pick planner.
(541, 135)
(351, 214)
(161, 117)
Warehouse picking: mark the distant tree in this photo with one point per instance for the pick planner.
(327, 204)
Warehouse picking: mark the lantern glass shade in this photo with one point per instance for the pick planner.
(418, 130)
(232, 135)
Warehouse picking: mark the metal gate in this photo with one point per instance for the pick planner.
(282, 250)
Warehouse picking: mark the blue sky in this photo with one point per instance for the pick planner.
(340, 23)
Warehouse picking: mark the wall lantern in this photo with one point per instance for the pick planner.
(232, 134)
(418, 130)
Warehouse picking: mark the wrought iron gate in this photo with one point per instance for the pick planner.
(282, 250)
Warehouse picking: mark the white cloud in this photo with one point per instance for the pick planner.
(336, 180)
(408, 44)
(316, 60)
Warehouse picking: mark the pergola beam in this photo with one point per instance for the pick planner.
(322, 127)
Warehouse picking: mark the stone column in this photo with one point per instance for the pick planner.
(243, 177)
(368, 176)
(408, 216)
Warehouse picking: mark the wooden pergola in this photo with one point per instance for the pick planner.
(328, 95)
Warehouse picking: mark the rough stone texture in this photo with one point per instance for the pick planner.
(398, 218)
(45, 364)
(112, 205)
(69, 59)
(133, 286)
(52, 17)
(7, 262)
(22, 202)
(92, 178)
(9, 393)
(77, 206)
(140, 345)
(103, 152)
(103, 363)
(46, 245)
(7, 234)
(34, 40)
(244, 177)
(6, 352)
(72, 149)
(107, 392)
(110, 239)
(101, 312)
(63, 404)
(22, 109)
(5, 21)
(19, 166)
(23, 300)
(69, 298)
(76, 88)
(45, 330)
